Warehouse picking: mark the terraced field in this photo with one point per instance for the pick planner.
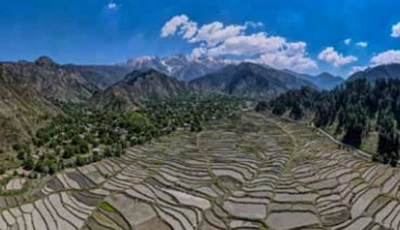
(248, 172)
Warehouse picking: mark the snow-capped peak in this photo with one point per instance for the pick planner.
(183, 67)
(141, 60)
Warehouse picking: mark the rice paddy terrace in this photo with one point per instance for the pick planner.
(247, 172)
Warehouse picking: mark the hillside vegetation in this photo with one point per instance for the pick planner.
(362, 114)
(81, 135)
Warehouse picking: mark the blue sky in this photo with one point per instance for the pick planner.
(303, 35)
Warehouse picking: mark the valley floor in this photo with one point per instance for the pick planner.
(247, 172)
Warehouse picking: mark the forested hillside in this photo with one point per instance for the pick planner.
(362, 114)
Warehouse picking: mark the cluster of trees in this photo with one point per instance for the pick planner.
(81, 135)
(190, 112)
(355, 110)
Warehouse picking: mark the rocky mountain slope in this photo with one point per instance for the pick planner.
(137, 86)
(22, 108)
(248, 79)
(378, 72)
(50, 79)
(27, 88)
(182, 67)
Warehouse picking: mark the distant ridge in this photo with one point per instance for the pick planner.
(102, 76)
(249, 79)
(323, 80)
(378, 73)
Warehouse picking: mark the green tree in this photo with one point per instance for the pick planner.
(29, 162)
(80, 160)
(21, 155)
(297, 112)
(388, 143)
(137, 122)
(96, 156)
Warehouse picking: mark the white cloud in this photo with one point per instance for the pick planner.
(390, 56)
(362, 44)
(331, 56)
(112, 5)
(248, 45)
(396, 30)
(216, 39)
(211, 34)
(291, 55)
(274, 51)
(216, 32)
(199, 52)
(189, 30)
(347, 41)
(356, 69)
(180, 24)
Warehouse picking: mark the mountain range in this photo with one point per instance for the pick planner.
(27, 89)
(245, 79)
(187, 68)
